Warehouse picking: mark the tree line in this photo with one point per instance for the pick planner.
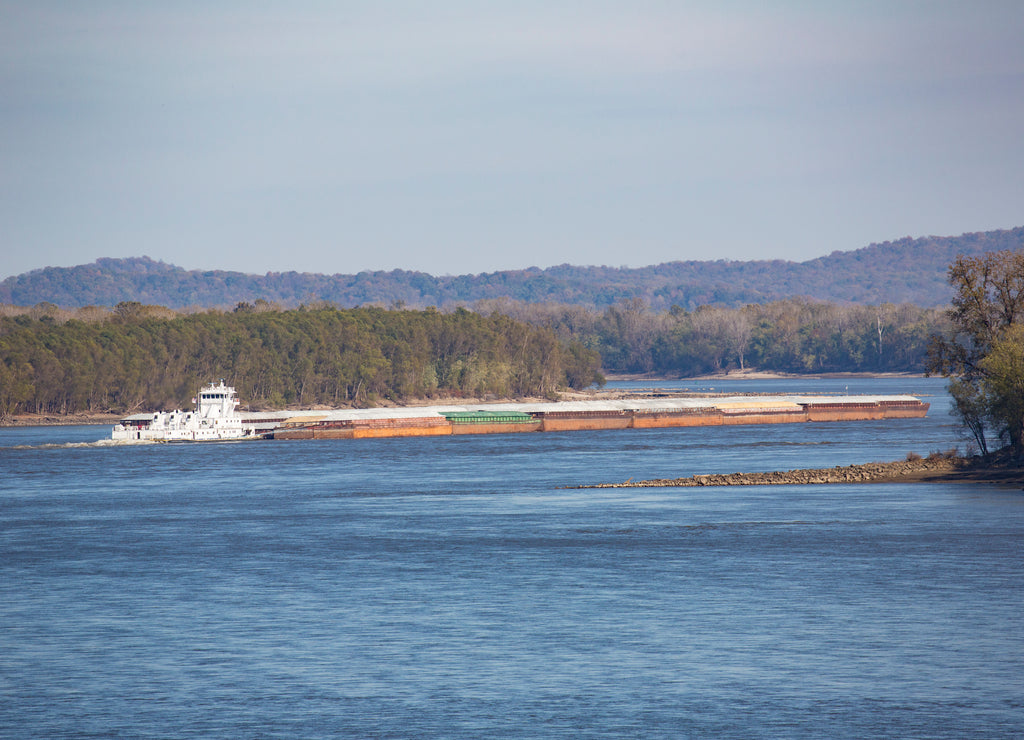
(795, 335)
(142, 357)
(137, 356)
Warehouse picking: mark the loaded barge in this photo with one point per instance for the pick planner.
(217, 417)
(584, 415)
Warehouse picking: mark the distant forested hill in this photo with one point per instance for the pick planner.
(904, 271)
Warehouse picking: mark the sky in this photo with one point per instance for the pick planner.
(466, 137)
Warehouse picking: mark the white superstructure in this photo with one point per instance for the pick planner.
(215, 417)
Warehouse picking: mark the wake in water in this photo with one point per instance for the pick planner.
(121, 443)
(97, 443)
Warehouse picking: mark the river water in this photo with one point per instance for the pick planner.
(455, 588)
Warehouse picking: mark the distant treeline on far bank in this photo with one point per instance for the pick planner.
(135, 356)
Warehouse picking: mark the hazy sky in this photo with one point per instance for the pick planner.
(462, 137)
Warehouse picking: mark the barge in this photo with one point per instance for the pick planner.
(217, 417)
(564, 416)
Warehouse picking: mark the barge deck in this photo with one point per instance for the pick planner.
(637, 413)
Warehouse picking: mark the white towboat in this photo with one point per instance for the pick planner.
(214, 418)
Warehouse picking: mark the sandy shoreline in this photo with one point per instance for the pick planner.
(52, 420)
(755, 375)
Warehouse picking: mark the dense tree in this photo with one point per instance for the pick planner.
(141, 357)
(788, 336)
(984, 350)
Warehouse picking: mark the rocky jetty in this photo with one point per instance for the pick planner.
(934, 467)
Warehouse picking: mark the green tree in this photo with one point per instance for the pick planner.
(983, 350)
(1002, 385)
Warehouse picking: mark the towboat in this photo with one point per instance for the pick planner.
(214, 418)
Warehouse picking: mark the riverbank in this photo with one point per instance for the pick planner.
(934, 468)
(59, 420)
(753, 374)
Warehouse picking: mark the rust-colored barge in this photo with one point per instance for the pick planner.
(641, 413)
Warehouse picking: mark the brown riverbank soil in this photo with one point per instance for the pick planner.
(55, 420)
(930, 469)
